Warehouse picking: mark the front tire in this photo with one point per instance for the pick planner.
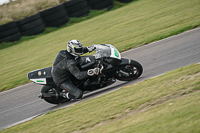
(52, 90)
(130, 71)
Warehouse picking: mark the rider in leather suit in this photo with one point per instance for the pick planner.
(65, 65)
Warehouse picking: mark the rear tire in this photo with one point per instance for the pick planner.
(50, 89)
(130, 71)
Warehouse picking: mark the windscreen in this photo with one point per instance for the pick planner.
(102, 50)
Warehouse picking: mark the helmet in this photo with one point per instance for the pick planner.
(74, 47)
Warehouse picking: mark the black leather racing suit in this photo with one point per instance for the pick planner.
(64, 65)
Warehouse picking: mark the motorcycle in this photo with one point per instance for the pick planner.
(111, 67)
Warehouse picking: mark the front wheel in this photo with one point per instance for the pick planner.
(130, 71)
(51, 90)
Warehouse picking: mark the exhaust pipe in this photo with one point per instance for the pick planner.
(49, 96)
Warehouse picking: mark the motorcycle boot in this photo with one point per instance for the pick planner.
(68, 95)
(72, 90)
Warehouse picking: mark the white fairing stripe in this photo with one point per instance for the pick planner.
(39, 81)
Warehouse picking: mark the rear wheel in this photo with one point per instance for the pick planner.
(130, 71)
(51, 90)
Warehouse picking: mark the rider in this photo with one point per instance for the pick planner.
(65, 65)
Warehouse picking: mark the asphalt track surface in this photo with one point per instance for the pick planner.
(21, 104)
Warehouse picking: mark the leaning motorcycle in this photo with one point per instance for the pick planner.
(110, 63)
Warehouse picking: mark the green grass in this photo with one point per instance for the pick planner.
(130, 26)
(168, 103)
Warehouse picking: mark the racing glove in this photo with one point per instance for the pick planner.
(91, 48)
(94, 71)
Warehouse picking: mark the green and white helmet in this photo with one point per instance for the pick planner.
(75, 47)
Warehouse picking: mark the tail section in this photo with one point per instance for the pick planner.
(41, 76)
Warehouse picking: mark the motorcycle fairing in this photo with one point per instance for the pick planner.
(40, 76)
(114, 52)
(106, 51)
(124, 61)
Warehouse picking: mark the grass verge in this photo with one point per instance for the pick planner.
(133, 25)
(168, 103)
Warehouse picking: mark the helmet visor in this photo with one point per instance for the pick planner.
(78, 50)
